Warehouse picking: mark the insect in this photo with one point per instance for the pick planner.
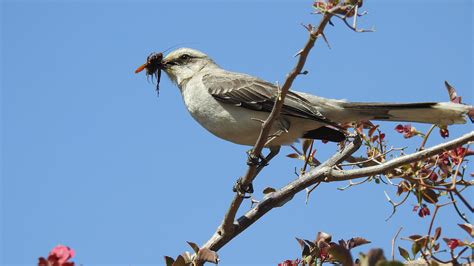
(153, 68)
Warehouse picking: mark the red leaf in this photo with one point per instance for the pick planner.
(437, 233)
(468, 228)
(453, 243)
(372, 130)
(293, 155)
(453, 96)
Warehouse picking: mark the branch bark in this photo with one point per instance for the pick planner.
(285, 194)
(340, 175)
(326, 173)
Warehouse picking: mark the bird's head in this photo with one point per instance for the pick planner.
(184, 63)
(180, 64)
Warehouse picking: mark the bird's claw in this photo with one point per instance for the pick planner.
(256, 160)
(242, 189)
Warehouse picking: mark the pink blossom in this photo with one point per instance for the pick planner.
(454, 243)
(62, 253)
(424, 211)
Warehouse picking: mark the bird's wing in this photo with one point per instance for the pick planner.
(255, 94)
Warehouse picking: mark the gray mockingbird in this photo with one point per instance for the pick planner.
(232, 105)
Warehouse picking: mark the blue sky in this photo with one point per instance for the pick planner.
(93, 159)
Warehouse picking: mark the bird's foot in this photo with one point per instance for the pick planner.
(242, 189)
(259, 160)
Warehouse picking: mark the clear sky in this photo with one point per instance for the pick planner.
(93, 159)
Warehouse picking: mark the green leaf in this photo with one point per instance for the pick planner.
(179, 261)
(415, 248)
(404, 253)
(169, 261)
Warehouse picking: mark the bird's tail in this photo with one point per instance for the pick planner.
(444, 113)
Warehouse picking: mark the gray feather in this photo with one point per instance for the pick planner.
(255, 94)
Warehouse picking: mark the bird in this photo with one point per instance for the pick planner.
(232, 105)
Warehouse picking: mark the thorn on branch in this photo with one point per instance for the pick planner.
(325, 40)
(309, 190)
(309, 28)
(395, 205)
(253, 202)
(304, 72)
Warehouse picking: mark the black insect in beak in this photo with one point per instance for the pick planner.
(153, 66)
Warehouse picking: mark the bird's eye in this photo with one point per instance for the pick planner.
(184, 57)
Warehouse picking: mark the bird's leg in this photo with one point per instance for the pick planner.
(274, 150)
(253, 159)
(242, 189)
(261, 162)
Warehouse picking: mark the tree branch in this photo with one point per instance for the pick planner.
(339, 175)
(326, 173)
(228, 226)
(282, 196)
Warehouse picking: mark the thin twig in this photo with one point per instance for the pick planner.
(351, 184)
(425, 138)
(462, 215)
(455, 176)
(461, 197)
(364, 161)
(437, 207)
(393, 242)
